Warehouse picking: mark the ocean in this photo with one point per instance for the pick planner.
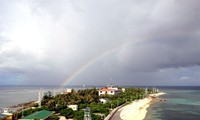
(14, 95)
(183, 103)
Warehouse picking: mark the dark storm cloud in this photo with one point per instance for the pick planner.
(181, 51)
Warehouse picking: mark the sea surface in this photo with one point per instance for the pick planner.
(183, 103)
(14, 95)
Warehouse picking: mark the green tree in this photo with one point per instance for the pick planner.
(79, 115)
(96, 117)
(60, 107)
(51, 104)
(82, 106)
(68, 113)
(54, 117)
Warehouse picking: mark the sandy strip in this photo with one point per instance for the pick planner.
(137, 109)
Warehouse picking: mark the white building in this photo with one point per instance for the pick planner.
(110, 90)
(6, 112)
(123, 89)
(69, 90)
(6, 115)
(73, 107)
(62, 118)
(104, 100)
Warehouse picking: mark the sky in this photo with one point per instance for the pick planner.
(96, 42)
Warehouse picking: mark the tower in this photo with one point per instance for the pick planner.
(22, 111)
(54, 92)
(87, 115)
(153, 91)
(39, 99)
(146, 92)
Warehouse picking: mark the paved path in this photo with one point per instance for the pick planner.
(115, 114)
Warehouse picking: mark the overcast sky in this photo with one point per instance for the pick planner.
(96, 42)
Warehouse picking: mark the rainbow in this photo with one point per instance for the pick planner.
(84, 66)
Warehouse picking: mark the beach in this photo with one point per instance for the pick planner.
(137, 109)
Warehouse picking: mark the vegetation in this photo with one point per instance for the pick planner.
(85, 98)
(68, 113)
(54, 117)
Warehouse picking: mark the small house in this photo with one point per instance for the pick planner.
(123, 89)
(73, 107)
(104, 100)
(67, 91)
(6, 115)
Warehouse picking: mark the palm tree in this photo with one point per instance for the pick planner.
(51, 104)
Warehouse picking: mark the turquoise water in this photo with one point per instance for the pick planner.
(183, 103)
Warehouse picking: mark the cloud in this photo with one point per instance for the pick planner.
(129, 41)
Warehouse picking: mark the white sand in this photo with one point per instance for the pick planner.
(137, 109)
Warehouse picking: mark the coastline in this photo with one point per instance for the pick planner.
(137, 110)
(19, 107)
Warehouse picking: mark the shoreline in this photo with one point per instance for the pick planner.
(20, 106)
(137, 110)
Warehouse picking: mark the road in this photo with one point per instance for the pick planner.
(116, 114)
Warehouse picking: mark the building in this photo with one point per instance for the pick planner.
(40, 115)
(73, 107)
(104, 100)
(6, 115)
(2, 116)
(87, 115)
(67, 91)
(123, 89)
(110, 90)
(62, 118)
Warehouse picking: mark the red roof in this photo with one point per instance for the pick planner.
(106, 89)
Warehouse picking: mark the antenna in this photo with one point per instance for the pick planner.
(111, 81)
(22, 111)
(146, 92)
(54, 92)
(110, 85)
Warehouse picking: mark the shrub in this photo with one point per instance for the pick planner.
(68, 113)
